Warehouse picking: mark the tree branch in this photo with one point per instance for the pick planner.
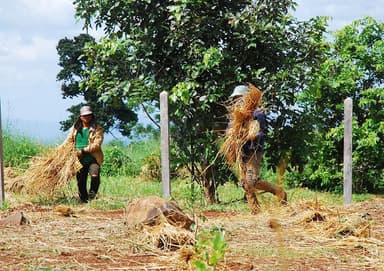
(149, 116)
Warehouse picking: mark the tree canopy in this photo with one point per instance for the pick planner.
(111, 115)
(354, 68)
(199, 51)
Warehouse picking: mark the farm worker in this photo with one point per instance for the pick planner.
(251, 157)
(87, 136)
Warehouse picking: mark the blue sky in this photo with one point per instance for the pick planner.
(31, 29)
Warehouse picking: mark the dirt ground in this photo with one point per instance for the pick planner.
(299, 236)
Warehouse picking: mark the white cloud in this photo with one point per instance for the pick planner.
(15, 48)
(29, 33)
(341, 12)
(29, 12)
(56, 9)
(31, 29)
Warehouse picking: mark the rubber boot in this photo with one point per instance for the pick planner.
(95, 183)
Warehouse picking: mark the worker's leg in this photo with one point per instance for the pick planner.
(272, 188)
(254, 164)
(94, 171)
(246, 183)
(81, 177)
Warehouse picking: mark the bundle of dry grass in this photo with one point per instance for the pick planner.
(48, 172)
(163, 236)
(167, 237)
(158, 223)
(243, 128)
(12, 182)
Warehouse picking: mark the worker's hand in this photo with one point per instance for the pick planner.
(79, 154)
(253, 130)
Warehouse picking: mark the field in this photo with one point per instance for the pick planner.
(314, 231)
(307, 234)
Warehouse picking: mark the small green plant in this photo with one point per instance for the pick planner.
(4, 206)
(210, 249)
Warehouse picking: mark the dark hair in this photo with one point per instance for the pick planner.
(79, 124)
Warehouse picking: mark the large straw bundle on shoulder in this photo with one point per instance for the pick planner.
(50, 171)
(242, 125)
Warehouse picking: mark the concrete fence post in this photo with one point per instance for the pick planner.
(347, 151)
(2, 194)
(164, 144)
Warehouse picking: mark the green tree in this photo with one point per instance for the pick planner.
(112, 115)
(354, 68)
(198, 51)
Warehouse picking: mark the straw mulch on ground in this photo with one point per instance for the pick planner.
(159, 222)
(47, 173)
(242, 128)
(304, 235)
(308, 235)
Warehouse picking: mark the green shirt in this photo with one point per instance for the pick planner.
(81, 143)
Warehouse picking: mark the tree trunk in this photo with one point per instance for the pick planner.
(209, 184)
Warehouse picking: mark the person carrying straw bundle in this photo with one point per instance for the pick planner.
(86, 136)
(244, 143)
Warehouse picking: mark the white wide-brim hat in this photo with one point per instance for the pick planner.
(239, 91)
(85, 110)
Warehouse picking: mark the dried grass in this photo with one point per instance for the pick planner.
(309, 233)
(278, 238)
(48, 172)
(241, 115)
(167, 237)
(326, 222)
(12, 182)
(166, 233)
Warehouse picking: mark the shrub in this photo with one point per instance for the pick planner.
(116, 159)
(18, 150)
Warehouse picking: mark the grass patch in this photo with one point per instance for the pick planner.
(117, 192)
(18, 150)
(119, 183)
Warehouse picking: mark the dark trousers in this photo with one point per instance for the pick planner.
(92, 169)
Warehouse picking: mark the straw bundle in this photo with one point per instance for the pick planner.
(51, 171)
(243, 127)
(163, 236)
(12, 182)
(168, 237)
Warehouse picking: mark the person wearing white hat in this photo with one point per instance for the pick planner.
(251, 157)
(87, 137)
(239, 91)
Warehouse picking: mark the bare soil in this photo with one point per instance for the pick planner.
(299, 236)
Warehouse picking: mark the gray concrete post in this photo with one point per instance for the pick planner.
(2, 194)
(164, 144)
(347, 151)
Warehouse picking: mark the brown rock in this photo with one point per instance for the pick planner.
(153, 210)
(15, 219)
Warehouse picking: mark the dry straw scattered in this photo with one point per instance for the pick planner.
(242, 128)
(48, 172)
(326, 222)
(159, 223)
(166, 236)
